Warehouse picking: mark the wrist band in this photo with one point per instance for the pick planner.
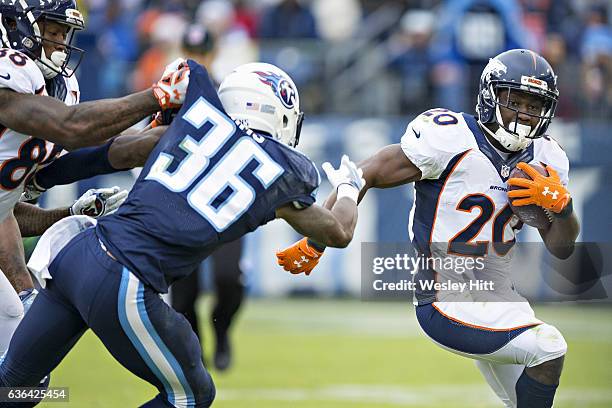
(567, 211)
(348, 191)
(315, 245)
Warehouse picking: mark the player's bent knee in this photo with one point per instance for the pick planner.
(204, 391)
(548, 345)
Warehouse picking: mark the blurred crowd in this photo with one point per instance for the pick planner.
(354, 56)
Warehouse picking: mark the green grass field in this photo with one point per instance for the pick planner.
(337, 354)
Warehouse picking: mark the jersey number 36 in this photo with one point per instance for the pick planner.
(224, 178)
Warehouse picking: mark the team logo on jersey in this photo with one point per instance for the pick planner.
(505, 171)
(280, 86)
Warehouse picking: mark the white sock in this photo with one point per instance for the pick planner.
(502, 379)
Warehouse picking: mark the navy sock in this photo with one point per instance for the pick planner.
(533, 394)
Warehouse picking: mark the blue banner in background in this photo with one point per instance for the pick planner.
(383, 215)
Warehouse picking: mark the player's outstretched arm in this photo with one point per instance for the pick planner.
(389, 167)
(329, 227)
(84, 124)
(91, 123)
(132, 150)
(333, 227)
(95, 203)
(122, 153)
(34, 221)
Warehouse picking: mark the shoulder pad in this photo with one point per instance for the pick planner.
(20, 73)
(433, 138)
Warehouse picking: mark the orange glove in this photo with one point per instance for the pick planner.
(299, 257)
(545, 192)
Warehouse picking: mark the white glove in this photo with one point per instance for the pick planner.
(348, 178)
(174, 66)
(98, 202)
(171, 89)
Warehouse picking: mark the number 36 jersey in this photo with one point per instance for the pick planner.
(21, 155)
(461, 205)
(207, 182)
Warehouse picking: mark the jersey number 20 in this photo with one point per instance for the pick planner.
(463, 242)
(204, 195)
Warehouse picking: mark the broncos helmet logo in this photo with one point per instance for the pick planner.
(494, 67)
(280, 86)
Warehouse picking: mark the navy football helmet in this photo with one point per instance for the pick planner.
(21, 29)
(523, 71)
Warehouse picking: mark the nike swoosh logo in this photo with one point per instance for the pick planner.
(418, 135)
(7, 76)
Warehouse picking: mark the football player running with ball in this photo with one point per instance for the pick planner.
(225, 166)
(460, 165)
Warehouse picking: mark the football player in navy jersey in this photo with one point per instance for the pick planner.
(225, 166)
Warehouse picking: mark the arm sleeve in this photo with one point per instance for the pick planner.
(76, 165)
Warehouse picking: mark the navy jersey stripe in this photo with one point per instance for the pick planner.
(56, 87)
(428, 193)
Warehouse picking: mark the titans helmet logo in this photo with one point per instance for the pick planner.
(280, 86)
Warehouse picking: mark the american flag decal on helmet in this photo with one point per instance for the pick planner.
(252, 106)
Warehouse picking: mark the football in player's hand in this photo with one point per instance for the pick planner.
(530, 214)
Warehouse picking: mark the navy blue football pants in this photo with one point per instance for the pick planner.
(89, 289)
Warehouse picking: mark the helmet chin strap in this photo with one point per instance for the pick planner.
(514, 141)
(51, 67)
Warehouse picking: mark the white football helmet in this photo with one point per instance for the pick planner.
(263, 98)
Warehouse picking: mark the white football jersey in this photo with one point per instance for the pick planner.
(461, 206)
(21, 155)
